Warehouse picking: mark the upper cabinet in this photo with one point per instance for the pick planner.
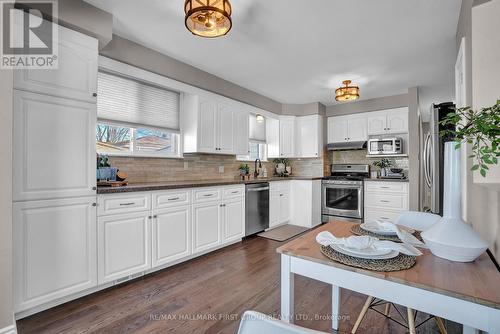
(389, 121)
(287, 136)
(213, 126)
(347, 129)
(76, 76)
(309, 136)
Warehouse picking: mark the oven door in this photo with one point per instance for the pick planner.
(342, 200)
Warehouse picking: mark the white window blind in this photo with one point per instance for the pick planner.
(125, 100)
(257, 130)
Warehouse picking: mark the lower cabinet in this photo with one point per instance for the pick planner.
(279, 203)
(384, 200)
(54, 249)
(124, 245)
(206, 226)
(171, 235)
(234, 220)
(274, 208)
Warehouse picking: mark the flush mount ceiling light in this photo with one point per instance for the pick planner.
(259, 118)
(347, 93)
(208, 18)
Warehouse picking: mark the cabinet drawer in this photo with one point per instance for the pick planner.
(372, 215)
(389, 201)
(392, 187)
(114, 204)
(233, 192)
(206, 195)
(279, 186)
(166, 199)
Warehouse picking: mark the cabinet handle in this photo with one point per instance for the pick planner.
(94, 94)
(94, 188)
(127, 204)
(384, 201)
(234, 192)
(384, 218)
(149, 217)
(173, 199)
(155, 216)
(208, 195)
(384, 187)
(94, 204)
(281, 195)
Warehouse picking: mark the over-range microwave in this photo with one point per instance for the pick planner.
(383, 146)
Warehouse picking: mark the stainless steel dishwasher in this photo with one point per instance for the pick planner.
(256, 207)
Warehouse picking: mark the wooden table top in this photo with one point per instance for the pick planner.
(477, 281)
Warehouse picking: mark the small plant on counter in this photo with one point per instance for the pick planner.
(244, 169)
(103, 161)
(383, 163)
(481, 128)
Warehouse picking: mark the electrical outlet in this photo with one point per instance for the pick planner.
(221, 169)
(186, 165)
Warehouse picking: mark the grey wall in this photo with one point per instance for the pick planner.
(380, 103)
(134, 54)
(303, 109)
(413, 148)
(6, 313)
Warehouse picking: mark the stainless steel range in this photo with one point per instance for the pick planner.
(342, 192)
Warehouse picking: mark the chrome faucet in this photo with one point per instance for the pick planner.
(256, 172)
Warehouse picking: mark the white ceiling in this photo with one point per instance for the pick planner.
(298, 51)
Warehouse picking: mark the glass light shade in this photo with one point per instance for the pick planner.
(347, 93)
(259, 118)
(208, 18)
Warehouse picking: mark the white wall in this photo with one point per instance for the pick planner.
(6, 314)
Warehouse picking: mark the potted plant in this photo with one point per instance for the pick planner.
(281, 164)
(104, 169)
(383, 164)
(481, 128)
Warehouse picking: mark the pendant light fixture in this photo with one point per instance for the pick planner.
(259, 118)
(346, 92)
(208, 18)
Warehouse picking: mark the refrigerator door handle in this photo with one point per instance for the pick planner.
(427, 162)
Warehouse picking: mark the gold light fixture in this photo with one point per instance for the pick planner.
(208, 18)
(259, 118)
(347, 93)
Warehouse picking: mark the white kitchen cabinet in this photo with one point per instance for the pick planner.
(287, 137)
(54, 249)
(234, 220)
(308, 136)
(279, 203)
(171, 235)
(210, 125)
(53, 147)
(384, 199)
(124, 245)
(207, 221)
(350, 128)
(391, 121)
(76, 75)
(305, 199)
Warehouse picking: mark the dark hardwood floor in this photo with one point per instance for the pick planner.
(208, 295)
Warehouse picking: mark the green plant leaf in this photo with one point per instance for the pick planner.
(483, 172)
(475, 167)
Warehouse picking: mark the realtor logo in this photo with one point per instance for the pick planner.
(28, 34)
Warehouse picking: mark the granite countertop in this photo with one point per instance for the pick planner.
(151, 186)
(386, 180)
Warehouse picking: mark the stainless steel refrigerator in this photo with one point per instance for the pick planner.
(432, 158)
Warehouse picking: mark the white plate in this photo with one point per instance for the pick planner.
(367, 253)
(376, 230)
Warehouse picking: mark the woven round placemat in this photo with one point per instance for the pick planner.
(356, 229)
(399, 262)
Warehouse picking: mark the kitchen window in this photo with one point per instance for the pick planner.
(257, 147)
(257, 151)
(136, 118)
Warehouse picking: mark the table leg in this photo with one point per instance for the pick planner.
(470, 330)
(335, 307)
(287, 283)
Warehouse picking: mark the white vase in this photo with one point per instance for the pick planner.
(451, 238)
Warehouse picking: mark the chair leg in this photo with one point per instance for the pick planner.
(411, 321)
(362, 314)
(440, 324)
(387, 309)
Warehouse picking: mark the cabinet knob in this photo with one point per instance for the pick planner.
(94, 204)
(149, 217)
(94, 188)
(155, 216)
(94, 94)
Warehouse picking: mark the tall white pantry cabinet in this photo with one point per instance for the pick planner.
(54, 178)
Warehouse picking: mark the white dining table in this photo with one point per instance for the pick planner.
(466, 293)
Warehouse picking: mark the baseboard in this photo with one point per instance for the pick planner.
(9, 330)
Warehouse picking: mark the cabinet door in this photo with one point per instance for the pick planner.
(241, 135)
(53, 147)
(234, 220)
(357, 129)
(284, 206)
(307, 136)
(124, 244)
(206, 226)
(76, 76)
(54, 249)
(274, 208)
(377, 123)
(287, 135)
(207, 127)
(397, 120)
(225, 129)
(337, 130)
(171, 235)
